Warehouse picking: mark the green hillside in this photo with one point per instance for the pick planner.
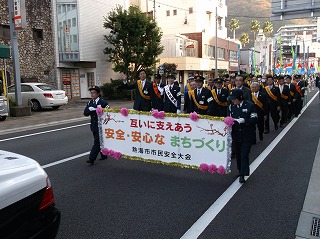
(247, 10)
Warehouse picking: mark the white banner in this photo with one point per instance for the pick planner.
(171, 140)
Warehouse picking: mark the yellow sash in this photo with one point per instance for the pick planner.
(284, 96)
(257, 101)
(291, 93)
(208, 87)
(202, 107)
(271, 94)
(189, 87)
(190, 93)
(147, 97)
(230, 87)
(214, 94)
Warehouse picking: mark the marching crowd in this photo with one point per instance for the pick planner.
(251, 102)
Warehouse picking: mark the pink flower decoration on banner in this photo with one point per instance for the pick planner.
(117, 155)
(229, 121)
(212, 168)
(221, 170)
(155, 114)
(161, 114)
(112, 153)
(193, 116)
(204, 167)
(124, 111)
(99, 110)
(105, 151)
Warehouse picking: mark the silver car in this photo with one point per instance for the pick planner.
(39, 95)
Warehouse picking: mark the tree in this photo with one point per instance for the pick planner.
(134, 39)
(234, 24)
(244, 39)
(267, 28)
(255, 26)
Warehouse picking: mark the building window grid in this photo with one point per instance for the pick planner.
(221, 53)
(168, 13)
(190, 10)
(174, 12)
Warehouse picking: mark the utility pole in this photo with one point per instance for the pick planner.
(216, 50)
(15, 55)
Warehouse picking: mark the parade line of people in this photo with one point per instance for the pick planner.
(250, 101)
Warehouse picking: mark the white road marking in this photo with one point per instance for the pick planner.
(201, 224)
(65, 160)
(43, 132)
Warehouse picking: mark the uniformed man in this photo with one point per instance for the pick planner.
(172, 96)
(210, 85)
(285, 100)
(243, 130)
(293, 96)
(202, 98)
(157, 92)
(239, 84)
(273, 97)
(220, 99)
(188, 99)
(90, 110)
(143, 89)
(300, 88)
(260, 101)
(187, 86)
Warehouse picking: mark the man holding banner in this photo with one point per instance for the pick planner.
(243, 130)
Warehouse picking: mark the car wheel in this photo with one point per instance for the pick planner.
(35, 105)
(3, 118)
(55, 107)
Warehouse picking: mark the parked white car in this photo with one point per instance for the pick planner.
(27, 208)
(40, 95)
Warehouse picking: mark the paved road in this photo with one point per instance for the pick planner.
(129, 199)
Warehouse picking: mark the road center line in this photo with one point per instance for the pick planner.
(65, 160)
(201, 224)
(44, 132)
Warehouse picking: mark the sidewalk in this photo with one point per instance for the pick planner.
(72, 112)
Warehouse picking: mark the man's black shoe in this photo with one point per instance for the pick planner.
(276, 127)
(241, 179)
(261, 137)
(90, 161)
(103, 158)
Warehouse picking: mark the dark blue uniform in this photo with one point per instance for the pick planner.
(218, 109)
(243, 134)
(140, 103)
(94, 126)
(203, 99)
(273, 104)
(157, 102)
(168, 106)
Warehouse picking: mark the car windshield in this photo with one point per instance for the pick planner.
(47, 87)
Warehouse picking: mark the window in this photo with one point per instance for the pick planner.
(46, 87)
(75, 39)
(233, 55)
(168, 13)
(37, 35)
(4, 32)
(174, 12)
(63, 8)
(59, 9)
(190, 10)
(221, 53)
(26, 88)
(69, 23)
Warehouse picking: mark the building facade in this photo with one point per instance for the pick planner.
(36, 46)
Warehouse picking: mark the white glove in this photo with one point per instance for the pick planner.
(240, 120)
(178, 111)
(92, 108)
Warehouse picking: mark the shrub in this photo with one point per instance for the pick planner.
(115, 90)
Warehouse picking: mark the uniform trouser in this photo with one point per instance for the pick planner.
(298, 107)
(284, 112)
(290, 110)
(242, 150)
(260, 125)
(96, 147)
(275, 117)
